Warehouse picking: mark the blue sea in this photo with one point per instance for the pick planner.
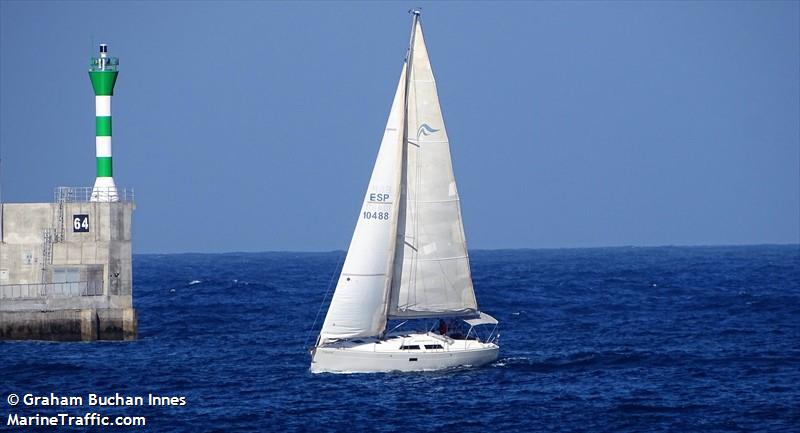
(667, 339)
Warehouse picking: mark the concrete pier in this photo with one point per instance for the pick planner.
(65, 269)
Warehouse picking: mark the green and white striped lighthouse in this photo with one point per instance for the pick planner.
(103, 73)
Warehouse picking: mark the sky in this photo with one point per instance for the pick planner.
(253, 126)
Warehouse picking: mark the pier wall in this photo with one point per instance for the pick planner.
(66, 271)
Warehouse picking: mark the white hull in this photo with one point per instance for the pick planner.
(373, 356)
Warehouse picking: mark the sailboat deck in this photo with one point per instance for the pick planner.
(410, 343)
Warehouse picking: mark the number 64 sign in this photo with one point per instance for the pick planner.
(80, 223)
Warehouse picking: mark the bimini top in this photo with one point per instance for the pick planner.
(483, 319)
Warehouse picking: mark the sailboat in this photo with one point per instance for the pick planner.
(408, 255)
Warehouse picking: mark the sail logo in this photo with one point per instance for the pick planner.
(425, 130)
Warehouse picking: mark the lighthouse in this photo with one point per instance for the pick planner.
(103, 73)
(66, 270)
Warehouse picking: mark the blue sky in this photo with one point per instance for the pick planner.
(253, 126)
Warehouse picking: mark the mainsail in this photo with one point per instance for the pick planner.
(431, 275)
(408, 255)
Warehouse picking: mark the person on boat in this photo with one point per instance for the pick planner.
(456, 330)
(442, 327)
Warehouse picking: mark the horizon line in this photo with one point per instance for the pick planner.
(491, 249)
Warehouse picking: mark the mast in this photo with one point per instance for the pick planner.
(415, 16)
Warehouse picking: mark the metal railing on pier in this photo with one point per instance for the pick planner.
(51, 290)
(82, 194)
